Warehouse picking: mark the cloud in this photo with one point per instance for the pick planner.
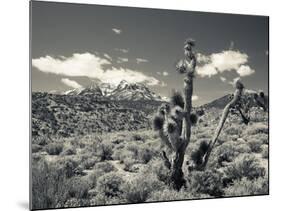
(201, 58)
(227, 60)
(71, 83)
(206, 70)
(194, 97)
(140, 60)
(164, 73)
(223, 79)
(122, 60)
(107, 57)
(92, 66)
(117, 31)
(245, 70)
(123, 50)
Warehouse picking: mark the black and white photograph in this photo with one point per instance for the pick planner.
(135, 105)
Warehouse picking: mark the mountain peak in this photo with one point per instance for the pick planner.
(124, 91)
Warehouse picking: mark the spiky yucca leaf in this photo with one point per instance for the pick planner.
(197, 155)
(190, 42)
(177, 99)
(193, 118)
(181, 66)
(158, 122)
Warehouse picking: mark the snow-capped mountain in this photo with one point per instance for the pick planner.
(124, 91)
(107, 88)
(134, 92)
(93, 89)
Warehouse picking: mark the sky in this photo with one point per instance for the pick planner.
(74, 45)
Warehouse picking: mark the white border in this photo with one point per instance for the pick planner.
(14, 104)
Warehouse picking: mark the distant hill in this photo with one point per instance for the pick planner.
(84, 113)
(222, 101)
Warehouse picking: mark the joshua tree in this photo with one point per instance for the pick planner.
(174, 121)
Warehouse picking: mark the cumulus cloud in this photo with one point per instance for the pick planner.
(245, 70)
(117, 31)
(123, 50)
(194, 97)
(201, 58)
(92, 66)
(227, 60)
(71, 83)
(122, 60)
(207, 70)
(140, 60)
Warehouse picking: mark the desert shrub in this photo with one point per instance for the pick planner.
(40, 140)
(74, 202)
(245, 187)
(204, 135)
(224, 153)
(258, 128)
(170, 194)
(110, 184)
(36, 148)
(242, 148)
(232, 130)
(245, 165)
(118, 141)
(93, 177)
(67, 167)
(262, 137)
(54, 148)
(78, 188)
(137, 137)
(255, 145)
(49, 185)
(121, 154)
(128, 163)
(134, 148)
(104, 151)
(264, 152)
(69, 151)
(102, 199)
(145, 154)
(105, 167)
(159, 169)
(139, 189)
(206, 182)
(89, 162)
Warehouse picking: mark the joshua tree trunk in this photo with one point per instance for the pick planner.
(177, 178)
(176, 172)
(231, 104)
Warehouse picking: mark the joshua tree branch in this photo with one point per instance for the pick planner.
(231, 104)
